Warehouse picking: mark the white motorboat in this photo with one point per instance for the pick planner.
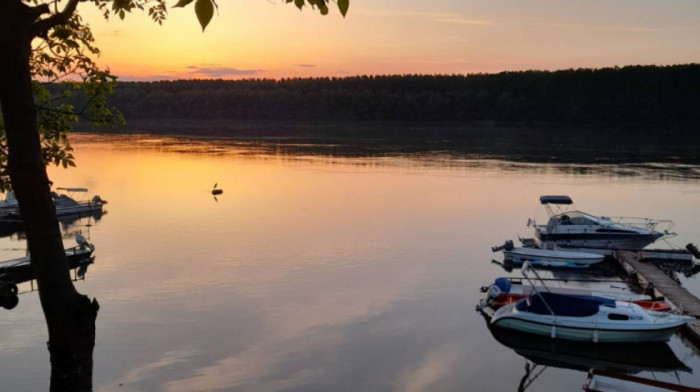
(560, 258)
(585, 318)
(547, 256)
(568, 227)
(69, 202)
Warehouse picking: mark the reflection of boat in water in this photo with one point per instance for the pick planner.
(19, 270)
(585, 318)
(628, 358)
(67, 204)
(606, 381)
(567, 226)
(9, 227)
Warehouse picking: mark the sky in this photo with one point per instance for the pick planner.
(270, 39)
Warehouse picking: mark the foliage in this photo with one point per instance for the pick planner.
(64, 54)
(204, 9)
(635, 95)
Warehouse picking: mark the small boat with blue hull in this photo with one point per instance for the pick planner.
(584, 318)
(568, 227)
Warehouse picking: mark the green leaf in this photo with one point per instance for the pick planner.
(205, 11)
(182, 3)
(299, 3)
(343, 6)
(324, 9)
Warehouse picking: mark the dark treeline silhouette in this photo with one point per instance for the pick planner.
(632, 95)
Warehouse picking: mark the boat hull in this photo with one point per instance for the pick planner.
(630, 241)
(587, 334)
(552, 257)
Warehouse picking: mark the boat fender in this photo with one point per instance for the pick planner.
(9, 303)
(553, 335)
(595, 336)
(8, 290)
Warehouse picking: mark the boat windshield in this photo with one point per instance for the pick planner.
(574, 218)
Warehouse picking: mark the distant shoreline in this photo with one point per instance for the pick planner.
(643, 97)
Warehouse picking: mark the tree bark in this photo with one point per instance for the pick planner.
(70, 316)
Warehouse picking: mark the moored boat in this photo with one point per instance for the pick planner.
(68, 203)
(547, 256)
(506, 291)
(585, 318)
(568, 227)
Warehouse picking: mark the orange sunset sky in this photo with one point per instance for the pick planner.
(268, 39)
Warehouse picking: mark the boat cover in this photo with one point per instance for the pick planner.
(503, 284)
(563, 305)
(556, 200)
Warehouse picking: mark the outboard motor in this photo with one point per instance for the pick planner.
(508, 245)
(694, 250)
(97, 199)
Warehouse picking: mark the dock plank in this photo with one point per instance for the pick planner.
(669, 288)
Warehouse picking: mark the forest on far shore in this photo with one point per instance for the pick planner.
(631, 95)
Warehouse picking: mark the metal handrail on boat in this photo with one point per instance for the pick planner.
(527, 266)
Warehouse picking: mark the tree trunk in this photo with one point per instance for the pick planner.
(70, 316)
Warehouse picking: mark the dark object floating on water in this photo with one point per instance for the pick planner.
(216, 191)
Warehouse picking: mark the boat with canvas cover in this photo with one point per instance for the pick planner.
(505, 291)
(568, 227)
(585, 318)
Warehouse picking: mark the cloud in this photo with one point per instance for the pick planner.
(146, 78)
(221, 72)
(457, 20)
(305, 65)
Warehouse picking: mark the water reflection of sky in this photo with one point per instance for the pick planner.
(311, 272)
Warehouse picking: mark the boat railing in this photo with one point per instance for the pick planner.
(526, 267)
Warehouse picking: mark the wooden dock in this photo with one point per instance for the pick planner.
(650, 274)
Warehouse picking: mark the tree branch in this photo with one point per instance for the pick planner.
(41, 27)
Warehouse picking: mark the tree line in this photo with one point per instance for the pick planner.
(633, 95)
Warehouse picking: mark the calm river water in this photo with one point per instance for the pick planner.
(323, 271)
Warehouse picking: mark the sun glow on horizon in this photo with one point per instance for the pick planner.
(272, 40)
